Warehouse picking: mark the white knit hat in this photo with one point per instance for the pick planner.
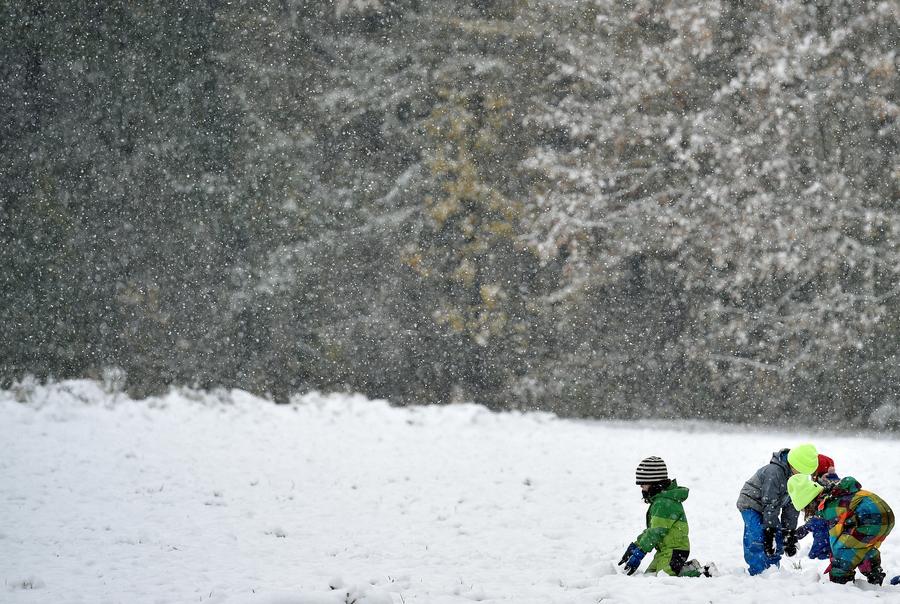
(650, 470)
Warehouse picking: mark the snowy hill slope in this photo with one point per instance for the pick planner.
(224, 498)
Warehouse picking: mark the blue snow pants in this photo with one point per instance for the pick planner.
(754, 552)
(821, 547)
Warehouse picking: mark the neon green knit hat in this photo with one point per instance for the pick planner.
(802, 490)
(804, 459)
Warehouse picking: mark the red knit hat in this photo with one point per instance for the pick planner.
(826, 465)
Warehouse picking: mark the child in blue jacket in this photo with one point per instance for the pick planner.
(821, 548)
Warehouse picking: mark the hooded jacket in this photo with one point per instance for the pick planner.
(858, 522)
(766, 492)
(667, 527)
(853, 513)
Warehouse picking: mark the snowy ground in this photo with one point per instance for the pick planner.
(228, 499)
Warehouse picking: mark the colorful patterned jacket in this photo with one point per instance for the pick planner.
(857, 519)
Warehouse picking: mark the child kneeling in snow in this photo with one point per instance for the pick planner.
(858, 522)
(667, 527)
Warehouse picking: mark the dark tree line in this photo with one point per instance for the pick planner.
(600, 208)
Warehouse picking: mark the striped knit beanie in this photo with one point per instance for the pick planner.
(651, 470)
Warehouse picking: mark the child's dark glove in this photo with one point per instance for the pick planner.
(637, 554)
(769, 541)
(790, 542)
(895, 580)
(628, 552)
(802, 531)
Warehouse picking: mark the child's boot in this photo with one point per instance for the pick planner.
(875, 575)
(693, 568)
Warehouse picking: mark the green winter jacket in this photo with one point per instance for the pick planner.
(667, 530)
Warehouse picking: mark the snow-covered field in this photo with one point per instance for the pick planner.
(225, 498)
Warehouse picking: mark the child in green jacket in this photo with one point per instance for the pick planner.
(667, 527)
